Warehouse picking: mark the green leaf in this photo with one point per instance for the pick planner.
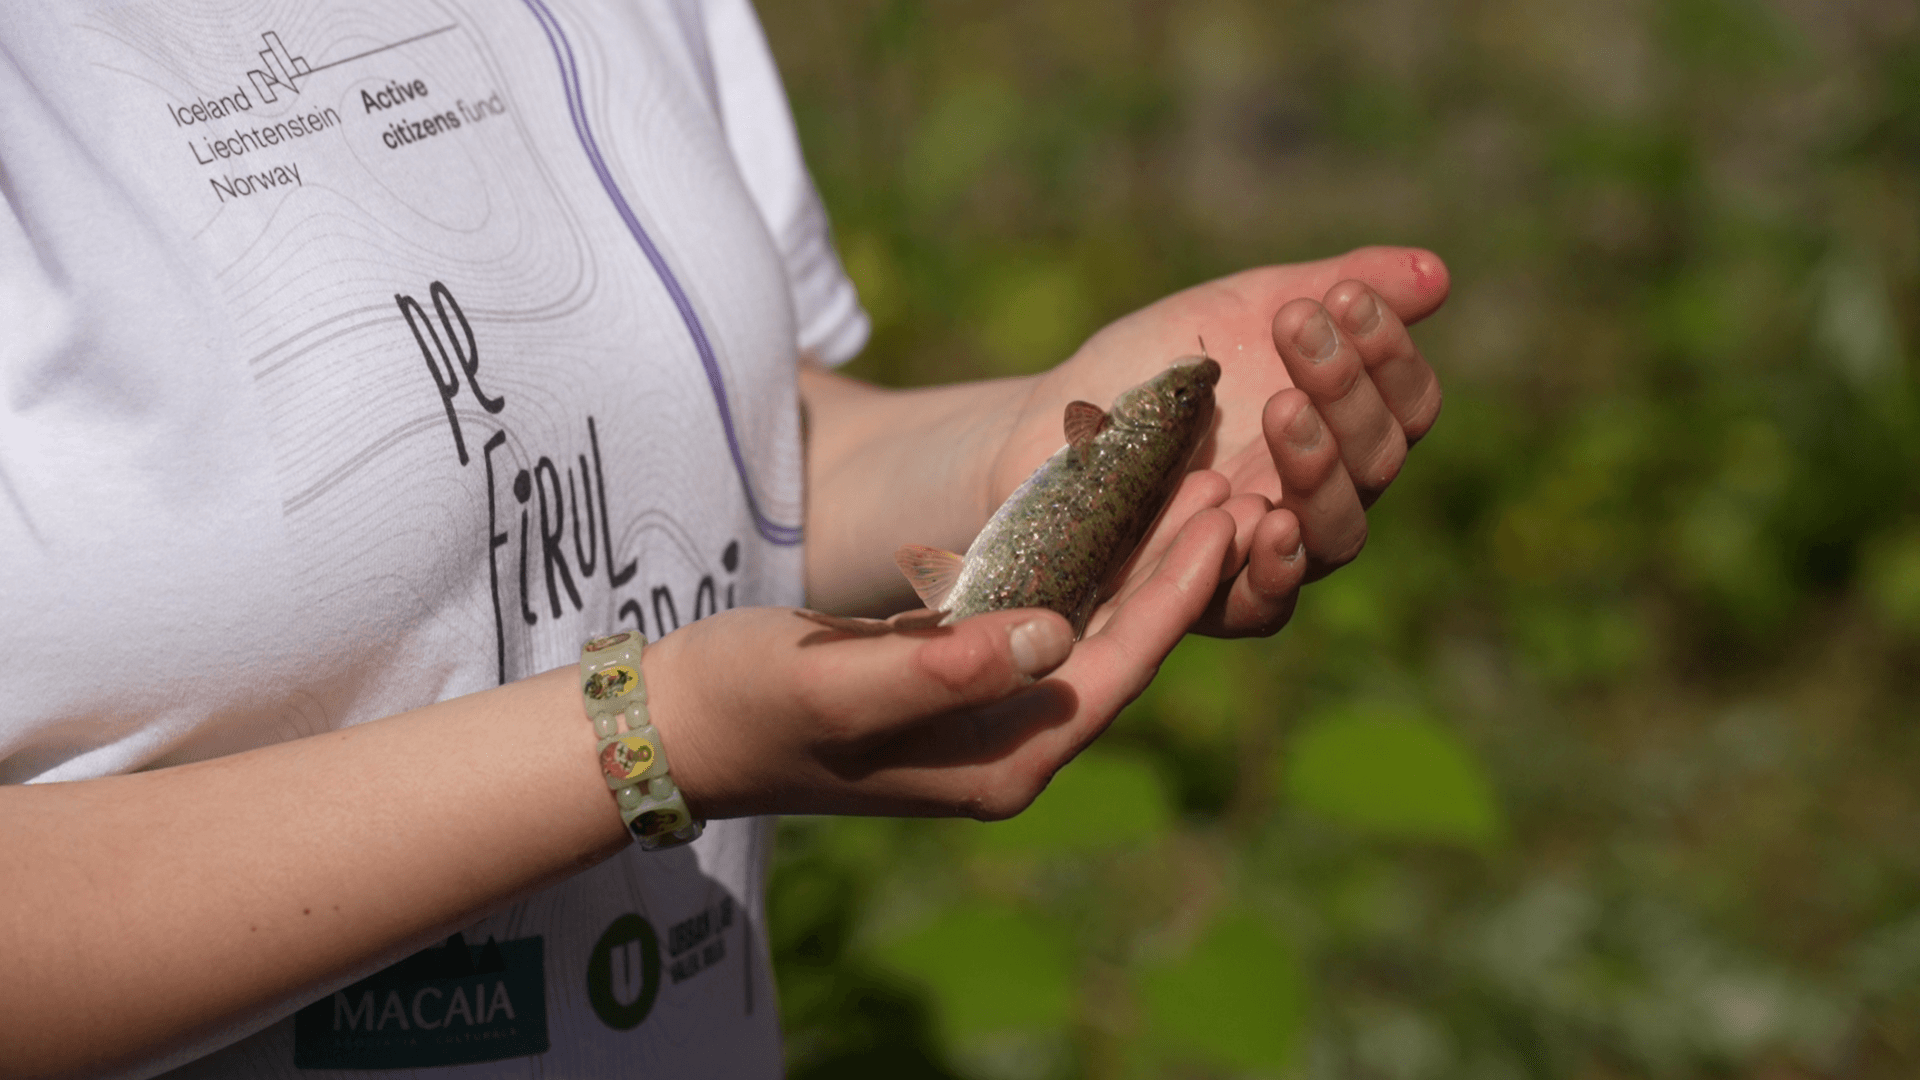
(1236, 1000)
(1104, 799)
(989, 971)
(1393, 775)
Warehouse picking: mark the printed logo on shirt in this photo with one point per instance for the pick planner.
(551, 496)
(221, 136)
(623, 973)
(699, 942)
(448, 1005)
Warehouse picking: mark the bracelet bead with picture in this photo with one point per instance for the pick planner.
(632, 759)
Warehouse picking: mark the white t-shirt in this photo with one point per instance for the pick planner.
(358, 355)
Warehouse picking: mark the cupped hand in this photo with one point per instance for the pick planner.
(1321, 393)
(765, 712)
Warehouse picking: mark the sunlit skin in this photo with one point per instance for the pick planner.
(1299, 450)
(223, 918)
(1275, 499)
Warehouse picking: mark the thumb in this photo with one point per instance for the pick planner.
(872, 684)
(974, 662)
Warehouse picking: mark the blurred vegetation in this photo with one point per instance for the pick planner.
(1601, 761)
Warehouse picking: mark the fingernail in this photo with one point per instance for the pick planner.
(1315, 339)
(1298, 553)
(1038, 645)
(1303, 431)
(1363, 315)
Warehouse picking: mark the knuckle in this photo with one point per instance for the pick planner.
(1296, 311)
(973, 805)
(1345, 292)
(1277, 622)
(1283, 406)
(1311, 471)
(1270, 589)
(1425, 412)
(1261, 628)
(990, 809)
(991, 806)
(1344, 380)
(1391, 343)
(1012, 793)
(1348, 547)
(1384, 463)
(963, 665)
(1337, 540)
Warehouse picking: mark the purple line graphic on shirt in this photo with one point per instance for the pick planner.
(774, 532)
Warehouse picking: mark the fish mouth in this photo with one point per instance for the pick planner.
(1204, 370)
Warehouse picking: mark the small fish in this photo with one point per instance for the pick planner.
(1076, 521)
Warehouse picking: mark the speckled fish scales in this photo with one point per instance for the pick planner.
(1078, 518)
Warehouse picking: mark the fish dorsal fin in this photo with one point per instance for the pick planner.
(1084, 420)
(930, 571)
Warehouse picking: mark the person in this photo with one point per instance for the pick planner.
(359, 364)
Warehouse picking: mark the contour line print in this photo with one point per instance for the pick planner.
(774, 532)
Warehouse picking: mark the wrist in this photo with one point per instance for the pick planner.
(678, 715)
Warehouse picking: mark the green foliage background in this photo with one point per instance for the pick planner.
(1601, 761)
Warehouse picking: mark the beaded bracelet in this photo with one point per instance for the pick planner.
(633, 761)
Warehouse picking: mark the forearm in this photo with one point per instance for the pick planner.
(143, 916)
(890, 467)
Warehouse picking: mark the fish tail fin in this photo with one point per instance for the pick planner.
(930, 571)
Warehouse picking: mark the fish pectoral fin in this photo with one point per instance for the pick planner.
(1084, 420)
(923, 619)
(930, 571)
(858, 627)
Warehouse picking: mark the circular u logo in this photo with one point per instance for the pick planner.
(623, 973)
